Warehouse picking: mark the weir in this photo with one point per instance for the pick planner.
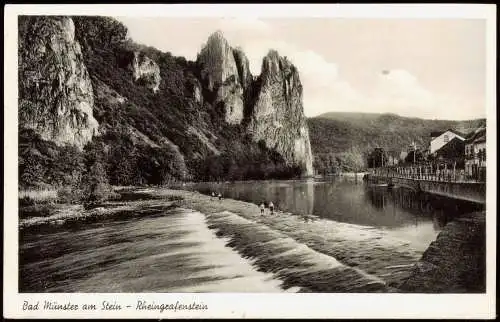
(468, 191)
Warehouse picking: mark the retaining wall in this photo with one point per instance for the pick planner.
(470, 191)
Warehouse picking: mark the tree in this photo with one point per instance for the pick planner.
(68, 167)
(354, 159)
(95, 186)
(377, 158)
(31, 170)
(415, 156)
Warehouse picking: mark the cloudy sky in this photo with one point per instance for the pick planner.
(425, 68)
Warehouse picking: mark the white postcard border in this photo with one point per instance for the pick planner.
(229, 305)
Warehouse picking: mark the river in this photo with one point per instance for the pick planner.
(418, 218)
(179, 250)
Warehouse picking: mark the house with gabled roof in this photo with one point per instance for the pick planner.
(441, 138)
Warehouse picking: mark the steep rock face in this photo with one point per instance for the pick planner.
(146, 70)
(197, 95)
(242, 64)
(221, 71)
(217, 60)
(277, 116)
(55, 90)
(231, 95)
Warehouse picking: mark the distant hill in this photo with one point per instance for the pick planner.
(338, 132)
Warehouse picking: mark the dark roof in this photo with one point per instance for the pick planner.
(438, 133)
(481, 138)
(453, 149)
(476, 135)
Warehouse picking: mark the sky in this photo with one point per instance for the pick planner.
(426, 68)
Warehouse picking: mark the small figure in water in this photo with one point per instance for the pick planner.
(262, 208)
(220, 196)
(213, 195)
(271, 207)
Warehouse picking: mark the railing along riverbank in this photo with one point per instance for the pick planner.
(443, 183)
(428, 173)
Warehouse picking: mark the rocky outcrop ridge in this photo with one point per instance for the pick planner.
(55, 90)
(217, 61)
(146, 70)
(58, 98)
(243, 66)
(278, 115)
(273, 101)
(221, 72)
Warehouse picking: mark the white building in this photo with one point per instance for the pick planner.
(439, 139)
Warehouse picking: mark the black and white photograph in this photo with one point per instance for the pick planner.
(234, 153)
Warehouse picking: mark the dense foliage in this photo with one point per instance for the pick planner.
(377, 158)
(146, 137)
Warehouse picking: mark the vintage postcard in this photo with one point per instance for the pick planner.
(250, 161)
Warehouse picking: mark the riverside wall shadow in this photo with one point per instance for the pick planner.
(469, 191)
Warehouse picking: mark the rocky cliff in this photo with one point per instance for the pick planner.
(55, 90)
(220, 73)
(146, 70)
(273, 102)
(154, 117)
(278, 114)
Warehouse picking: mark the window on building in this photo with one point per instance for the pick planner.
(446, 138)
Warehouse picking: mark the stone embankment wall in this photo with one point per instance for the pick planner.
(455, 262)
(469, 191)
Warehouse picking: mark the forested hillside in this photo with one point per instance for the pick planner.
(157, 120)
(345, 136)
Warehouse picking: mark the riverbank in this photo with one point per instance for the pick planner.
(455, 262)
(467, 191)
(130, 203)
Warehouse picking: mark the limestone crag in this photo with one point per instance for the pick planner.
(231, 95)
(245, 76)
(277, 116)
(57, 97)
(272, 103)
(226, 74)
(146, 70)
(217, 61)
(55, 90)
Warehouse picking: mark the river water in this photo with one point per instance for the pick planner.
(183, 250)
(418, 218)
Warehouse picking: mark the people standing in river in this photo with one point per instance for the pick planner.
(213, 195)
(220, 196)
(271, 207)
(262, 207)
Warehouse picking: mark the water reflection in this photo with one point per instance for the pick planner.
(299, 198)
(419, 204)
(350, 201)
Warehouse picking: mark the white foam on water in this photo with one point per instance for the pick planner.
(172, 253)
(177, 252)
(290, 259)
